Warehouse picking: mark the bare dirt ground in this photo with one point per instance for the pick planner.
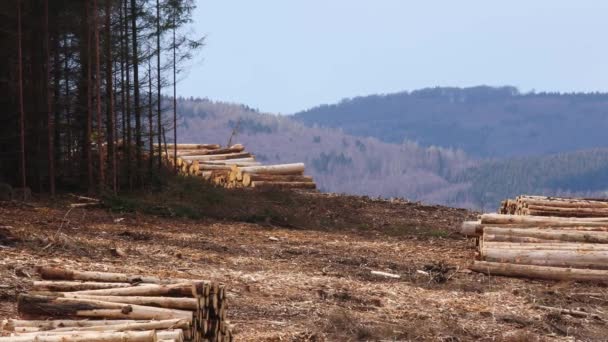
(310, 284)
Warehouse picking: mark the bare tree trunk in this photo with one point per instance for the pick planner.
(128, 97)
(89, 104)
(136, 102)
(150, 119)
(110, 111)
(50, 126)
(174, 98)
(98, 97)
(158, 85)
(21, 108)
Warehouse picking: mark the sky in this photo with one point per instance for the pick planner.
(283, 56)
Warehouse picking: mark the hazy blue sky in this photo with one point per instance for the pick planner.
(288, 55)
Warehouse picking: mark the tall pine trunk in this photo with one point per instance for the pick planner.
(110, 111)
(136, 99)
(158, 85)
(50, 126)
(21, 108)
(174, 97)
(150, 119)
(89, 129)
(128, 99)
(98, 98)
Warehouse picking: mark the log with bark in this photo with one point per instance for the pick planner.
(66, 286)
(283, 185)
(34, 306)
(540, 272)
(57, 273)
(129, 336)
(548, 234)
(249, 177)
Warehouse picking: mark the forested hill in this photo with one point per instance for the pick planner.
(344, 163)
(482, 121)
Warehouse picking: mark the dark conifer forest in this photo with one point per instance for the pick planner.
(82, 83)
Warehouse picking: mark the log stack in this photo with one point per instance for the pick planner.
(554, 206)
(233, 167)
(96, 306)
(543, 238)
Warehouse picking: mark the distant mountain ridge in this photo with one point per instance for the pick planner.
(345, 163)
(485, 122)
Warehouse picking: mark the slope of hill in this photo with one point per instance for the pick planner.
(345, 163)
(483, 121)
(582, 173)
(339, 162)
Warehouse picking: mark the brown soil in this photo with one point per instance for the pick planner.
(292, 283)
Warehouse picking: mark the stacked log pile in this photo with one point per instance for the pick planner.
(233, 167)
(554, 206)
(95, 306)
(533, 244)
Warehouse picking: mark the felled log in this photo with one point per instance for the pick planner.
(511, 238)
(539, 221)
(591, 259)
(232, 149)
(559, 245)
(67, 286)
(16, 324)
(203, 157)
(132, 326)
(564, 212)
(282, 169)
(175, 290)
(562, 203)
(549, 234)
(193, 147)
(283, 185)
(45, 306)
(160, 302)
(174, 334)
(540, 272)
(248, 178)
(128, 336)
(213, 167)
(57, 273)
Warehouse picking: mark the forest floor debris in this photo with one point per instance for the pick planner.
(315, 281)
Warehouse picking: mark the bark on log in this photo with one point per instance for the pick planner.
(283, 185)
(130, 336)
(228, 150)
(282, 169)
(57, 273)
(559, 245)
(13, 324)
(550, 234)
(563, 213)
(44, 306)
(539, 221)
(194, 146)
(511, 238)
(559, 258)
(218, 156)
(134, 326)
(173, 290)
(540, 272)
(67, 286)
(248, 178)
(160, 302)
(565, 204)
